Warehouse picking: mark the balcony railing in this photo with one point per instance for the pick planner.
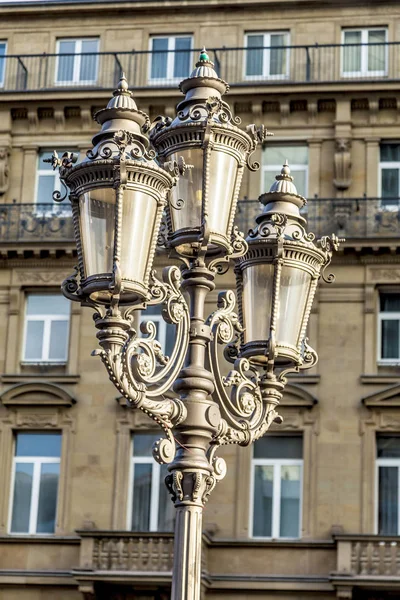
(352, 218)
(368, 556)
(314, 63)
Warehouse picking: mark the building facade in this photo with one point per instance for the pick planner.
(312, 511)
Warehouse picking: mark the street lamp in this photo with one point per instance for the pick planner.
(192, 174)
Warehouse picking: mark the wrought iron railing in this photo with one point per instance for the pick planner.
(352, 218)
(312, 63)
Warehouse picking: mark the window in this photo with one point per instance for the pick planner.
(276, 487)
(388, 479)
(170, 58)
(3, 52)
(77, 61)
(364, 52)
(273, 159)
(389, 328)
(150, 507)
(165, 331)
(46, 328)
(36, 473)
(48, 181)
(389, 178)
(267, 55)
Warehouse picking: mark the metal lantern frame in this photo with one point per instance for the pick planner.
(198, 407)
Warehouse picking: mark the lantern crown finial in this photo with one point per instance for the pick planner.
(204, 77)
(284, 182)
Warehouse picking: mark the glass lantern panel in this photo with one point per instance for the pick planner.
(139, 212)
(189, 189)
(97, 216)
(222, 178)
(256, 301)
(295, 285)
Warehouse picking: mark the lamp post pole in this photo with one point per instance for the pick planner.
(119, 194)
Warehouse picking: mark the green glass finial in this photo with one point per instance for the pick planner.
(204, 56)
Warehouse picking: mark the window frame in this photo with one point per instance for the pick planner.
(393, 164)
(77, 61)
(386, 462)
(170, 59)
(48, 320)
(388, 316)
(363, 72)
(154, 492)
(267, 57)
(3, 79)
(276, 463)
(276, 168)
(37, 461)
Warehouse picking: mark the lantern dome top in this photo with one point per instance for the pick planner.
(283, 196)
(121, 113)
(203, 81)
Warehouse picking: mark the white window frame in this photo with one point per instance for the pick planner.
(77, 62)
(170, 58)
(266, 56)
(37, 461)
(276, 463)
(363, 72)
(393, 164)
(386, 462)
(386, 316)
(275, 168)
(3, 79)
(48, 320)
(155, 488)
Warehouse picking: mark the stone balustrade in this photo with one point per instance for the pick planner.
(368, 555)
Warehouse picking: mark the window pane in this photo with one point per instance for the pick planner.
(22, 498)
(47, 304)
(166, 509)
(3, 47)
(182, 59)
(276, 155)
(390, 183)
(290, 501)
(34, 340)
(390, 152)
(159, 58)
(390, 339)
(141, 497)
(376, 53)
(38, 444)
(389, 302)
(65, 70)
(388, 500)
(277, 61)
(46, 519)
(58, 340)
(352, 54)
(273, 446)
(388, 446)
(262, 506)
(88, 69)
(143, 444)
(46, 187)
(254, 57)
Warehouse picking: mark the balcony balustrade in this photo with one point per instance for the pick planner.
(245, 66)
(367, 557)
(353, 218)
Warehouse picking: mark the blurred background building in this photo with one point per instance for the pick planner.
(313, 510)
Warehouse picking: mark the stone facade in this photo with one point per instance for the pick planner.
(338, 408)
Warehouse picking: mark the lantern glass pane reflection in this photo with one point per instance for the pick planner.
(222, 178)
(189, 189)
(257, 298)
(97, 212)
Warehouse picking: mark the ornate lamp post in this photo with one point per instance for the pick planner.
(118, 195)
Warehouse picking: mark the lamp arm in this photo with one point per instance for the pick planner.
(246, 409)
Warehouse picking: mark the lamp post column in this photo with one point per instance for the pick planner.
(192, 476)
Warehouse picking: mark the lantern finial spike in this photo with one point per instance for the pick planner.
(285, 173)
(123, 84)
(204, 56)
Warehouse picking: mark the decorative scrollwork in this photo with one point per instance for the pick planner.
(238, 248)
(274, 225)
(328, 244)
(258, 135)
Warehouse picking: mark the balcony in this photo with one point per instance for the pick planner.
(266, 66)
(368, 561)
(359, 220)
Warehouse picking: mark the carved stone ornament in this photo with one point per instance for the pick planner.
(4, 170)
(342, 164)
